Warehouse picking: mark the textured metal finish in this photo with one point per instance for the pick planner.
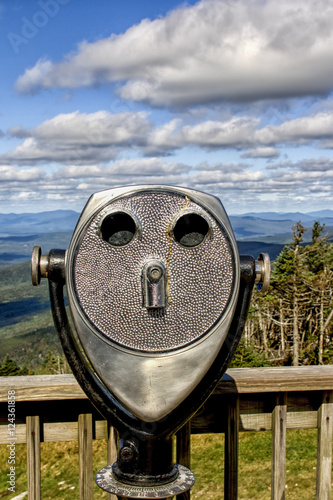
(108, 282)
(106, 480)
(165, 351)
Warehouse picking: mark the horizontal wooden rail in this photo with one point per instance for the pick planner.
(236, 380)
(54, 408)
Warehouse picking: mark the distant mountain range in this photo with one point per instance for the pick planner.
(273, 225)
(37, 223)
(246, 225)
(255, 232)
(294, 216)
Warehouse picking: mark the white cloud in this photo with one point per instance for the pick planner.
(138, 168)
(79, 138)
(19, 132)
(261, 152)
(206, 52)
(80, 171)
(32, 152)
(34, 75)
(98, 129)
(234, 178)
(9, 173)
(98, 138)
(299, 130)
(243, 133)
(236, 132)
(314, 166)
(237, 184)
(147, 167)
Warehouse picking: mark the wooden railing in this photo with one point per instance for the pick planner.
(54, 408)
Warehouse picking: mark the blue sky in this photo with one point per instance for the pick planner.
(231, 97)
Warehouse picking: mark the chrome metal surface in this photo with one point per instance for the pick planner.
(154, 279)
(165, 350)
(263, 272)
(107, 279)
(106, 480)
(39, 265)
(35, 269)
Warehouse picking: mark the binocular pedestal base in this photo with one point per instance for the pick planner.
(106, 480)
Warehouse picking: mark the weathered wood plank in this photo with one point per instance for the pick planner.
(101, 429)
(33, 457)
(112, 451)
(85, 457)
(256, 409)
(263, 422)
(41, 388)
(54, 431)
(324, 448)
(302, 420)
(20, 434)
(60, 431)
(231, 450)
(236, 380)
(279, 434)
(253, 422)
(277, 379)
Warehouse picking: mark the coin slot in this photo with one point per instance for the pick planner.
(190, 230)
(118, 229)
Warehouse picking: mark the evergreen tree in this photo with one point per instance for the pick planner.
(288, 284)
(10, 367)
(54, 364)
(293, 321)
(320, 282)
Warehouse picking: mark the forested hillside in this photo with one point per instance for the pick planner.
(292, 324)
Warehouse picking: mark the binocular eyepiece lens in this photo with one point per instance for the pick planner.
(190, 230)
(118, 229)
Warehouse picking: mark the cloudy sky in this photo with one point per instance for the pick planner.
(231, 97)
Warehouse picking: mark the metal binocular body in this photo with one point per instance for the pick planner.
(158, 296)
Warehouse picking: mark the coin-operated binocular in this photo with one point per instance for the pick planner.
(158, 297)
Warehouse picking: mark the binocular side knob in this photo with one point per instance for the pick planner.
(263, 272)
(39, 266)
(47, 266)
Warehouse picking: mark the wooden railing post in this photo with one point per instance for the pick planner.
(33, 457)
(183, 440)
(112, 451)
(324, 447)
(86, 480)
(231, 450)
(279, 434)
